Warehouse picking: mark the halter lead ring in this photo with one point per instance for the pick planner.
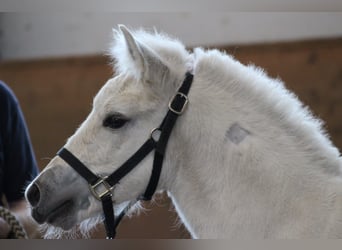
(102, 187)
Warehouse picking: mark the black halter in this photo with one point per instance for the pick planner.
(101, 187)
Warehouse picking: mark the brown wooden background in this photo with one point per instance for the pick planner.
(56, 96)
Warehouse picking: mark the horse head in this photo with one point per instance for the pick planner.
(148, 69)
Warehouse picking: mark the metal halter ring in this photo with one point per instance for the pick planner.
(153, 134)
(99, 192)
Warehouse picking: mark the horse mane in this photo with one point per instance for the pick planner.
(263, 94)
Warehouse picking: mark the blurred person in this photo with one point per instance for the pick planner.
(17, 163)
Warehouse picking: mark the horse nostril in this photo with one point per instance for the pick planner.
(33, 195)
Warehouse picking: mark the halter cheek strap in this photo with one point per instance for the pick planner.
(101, 187)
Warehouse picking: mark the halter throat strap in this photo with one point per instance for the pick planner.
(101, 187)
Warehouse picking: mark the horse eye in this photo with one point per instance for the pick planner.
(115, 121)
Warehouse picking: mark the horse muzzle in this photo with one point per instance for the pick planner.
(56, 199)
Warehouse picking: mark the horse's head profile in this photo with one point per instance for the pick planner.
(148, 71)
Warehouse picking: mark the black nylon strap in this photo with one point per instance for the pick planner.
(185, 87)
(78, 166)
(109, 218)
(153, 182)
(166, 128)
(133, 161)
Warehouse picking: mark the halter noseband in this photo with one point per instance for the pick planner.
(101, 187)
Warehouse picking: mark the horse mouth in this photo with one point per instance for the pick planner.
(60, 211)
(55, 216)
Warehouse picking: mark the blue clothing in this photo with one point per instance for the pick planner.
(17, 162)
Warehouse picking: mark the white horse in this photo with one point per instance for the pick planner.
(245, 160)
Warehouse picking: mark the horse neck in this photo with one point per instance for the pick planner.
(208, 176)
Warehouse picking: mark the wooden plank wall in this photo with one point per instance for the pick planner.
(56, 96)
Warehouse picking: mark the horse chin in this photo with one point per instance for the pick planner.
(76, 231)
(66, 223)
(63, 215)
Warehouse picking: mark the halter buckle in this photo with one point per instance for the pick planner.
(101, 188)
(181, 111)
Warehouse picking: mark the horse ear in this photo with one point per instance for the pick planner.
(143, 58)
(134, 50)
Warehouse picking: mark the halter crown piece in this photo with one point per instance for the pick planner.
(101, 187)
